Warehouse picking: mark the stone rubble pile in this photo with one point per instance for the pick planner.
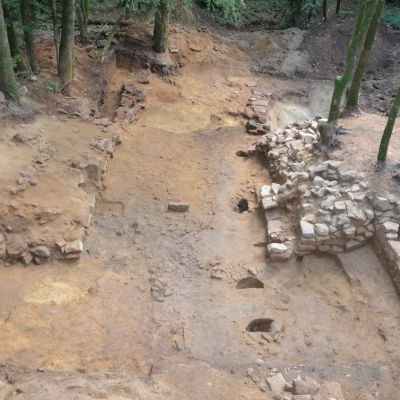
(257, 113)
(300, 388)
(130, 105)
(332, 208)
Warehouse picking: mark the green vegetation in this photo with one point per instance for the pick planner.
(53, 87)
(226, 12)
(391, 16)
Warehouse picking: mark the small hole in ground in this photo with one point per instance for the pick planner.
(260, 325)
(243, 205)
(249, 283)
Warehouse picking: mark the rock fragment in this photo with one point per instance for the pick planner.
(178, 207)
(307, 386)
(277, 383)
(41, 251)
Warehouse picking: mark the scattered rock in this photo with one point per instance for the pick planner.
(117, 138)
(178, 207)
(143, 79)
(195, 48)
(24, 137)
(16, 246)
(2, 246)
(99, 143)
(41, 251)
(305, 386)
(26, 258)
(71, 250)
(329, 391)
(23, 91)
(102, 121)
(277, 383)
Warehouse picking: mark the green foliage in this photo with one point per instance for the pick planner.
(53, 87)
(275, 13)
(391, 16)
(16, 60)
(312, 7)
(226, 12)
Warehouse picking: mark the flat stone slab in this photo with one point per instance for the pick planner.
(178, 206)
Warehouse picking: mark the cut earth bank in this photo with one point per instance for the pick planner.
(183, 305)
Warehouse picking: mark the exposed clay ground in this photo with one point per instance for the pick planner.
(152, 310)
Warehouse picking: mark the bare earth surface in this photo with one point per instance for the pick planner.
(151, 310)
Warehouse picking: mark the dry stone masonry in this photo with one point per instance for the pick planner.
(318, 204)
(22, 244)
(27, 244)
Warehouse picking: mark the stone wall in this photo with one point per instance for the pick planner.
(316, 203)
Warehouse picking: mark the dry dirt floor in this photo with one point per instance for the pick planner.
(152, 309)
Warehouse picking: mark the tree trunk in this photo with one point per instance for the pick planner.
(16, 53)
(8, 83)
(297, 13)
(82, 18)
(66, 62)
(128, 9)
(342, 80)
(161, 27)
(28, 21)
(54, 17)
(387, 133)
(338, 2)
(354, 93)
(324, 9)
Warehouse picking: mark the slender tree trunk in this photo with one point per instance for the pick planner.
(324, 9)
(387, 133)
(338, 2)
(54, 18)
(354, 93)
(28, 22)
(16, 53)
(82, 18)
(297, 13)
(66, 61)
(161, 27)
(128, 9)
(342, 80)
(8, 83)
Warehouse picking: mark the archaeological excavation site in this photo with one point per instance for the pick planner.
(199, 200)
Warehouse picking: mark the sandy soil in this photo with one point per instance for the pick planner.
(151, 310)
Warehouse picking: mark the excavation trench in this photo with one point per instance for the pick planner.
(155, 289)
(182, 150)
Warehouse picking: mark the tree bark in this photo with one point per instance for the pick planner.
(66, 62)
(354, 93)
(8, 83)
(297, 13)
(387, 133)
(342, 80)
(324, 9)
(28, 21)
(338, 3)
(16, 53)
(82, 14)
(54, 18)
(128, 9)
(161, 27)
